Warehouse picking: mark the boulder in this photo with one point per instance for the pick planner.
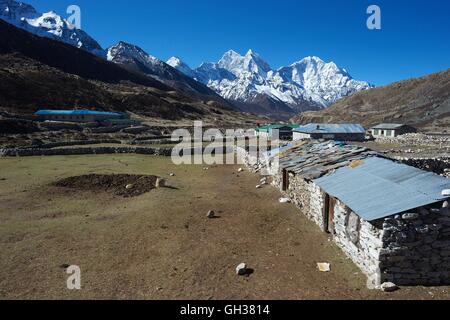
(241, 270)
(389, 287)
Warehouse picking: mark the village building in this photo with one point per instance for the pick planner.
(328, 131)
(283, 132)
(391, 220)
(391, 130)
(82, 116)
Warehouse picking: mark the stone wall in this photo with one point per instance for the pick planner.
(416, 247)
(360, 240)
(81, 151)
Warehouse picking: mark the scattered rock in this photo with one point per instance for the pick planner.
(129, 186)
(446, 193)
(172, 174)
(258, 186)
(445, 205)
(240, 170)
(285, 200)
(211, 214)
(389, 287)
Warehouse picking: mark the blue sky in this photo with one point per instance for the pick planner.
(414, 40)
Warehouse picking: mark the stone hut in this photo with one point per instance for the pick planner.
(391, 130)
(391, 219)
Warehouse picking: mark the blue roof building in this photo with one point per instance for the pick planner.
(78, 115)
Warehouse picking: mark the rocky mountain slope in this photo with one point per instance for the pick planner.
(309, 84)
(422, 102)
(48, 24)
(37, 72)
(129, 56)
(136, 59)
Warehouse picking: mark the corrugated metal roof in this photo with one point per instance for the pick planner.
(388, 126)
(378, 188)
(329, 128)
(75, 112)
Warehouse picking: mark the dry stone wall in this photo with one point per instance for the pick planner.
(416, 247)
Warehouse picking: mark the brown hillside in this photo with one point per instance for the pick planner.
(421, 102)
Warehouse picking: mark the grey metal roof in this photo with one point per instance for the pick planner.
(330, 128)
(378, 188)
(388, 126)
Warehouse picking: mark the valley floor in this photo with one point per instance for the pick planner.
(160, 245)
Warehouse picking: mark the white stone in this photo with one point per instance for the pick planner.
(258, 186)
(160, 183)
(211, 214)
(240, 170)
(129, 186)
(445, 205)
(324, 267)
(285, 200)
(446, 193)
(172, 174)
(389, 287)
(241, 269)
(410, 216)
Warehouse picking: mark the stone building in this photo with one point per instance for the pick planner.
(391, 219)
(328, 131)
(391, 130)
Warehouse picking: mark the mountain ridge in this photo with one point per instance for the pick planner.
(308, 84)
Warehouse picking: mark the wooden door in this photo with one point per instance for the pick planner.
(328, 213)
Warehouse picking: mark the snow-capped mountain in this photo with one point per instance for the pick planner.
(310, 83)
(49, 25)
(132, 56)
(136, 59)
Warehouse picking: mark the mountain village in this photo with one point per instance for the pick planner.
(274, 197)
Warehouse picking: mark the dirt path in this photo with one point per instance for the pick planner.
(161, 245)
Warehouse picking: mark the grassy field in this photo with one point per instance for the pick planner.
(160, 245)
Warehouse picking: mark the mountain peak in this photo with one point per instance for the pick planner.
(123, 51)
(179, 64)
(49, 25)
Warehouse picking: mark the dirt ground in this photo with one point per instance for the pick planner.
(160, 245)
(125, 185)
